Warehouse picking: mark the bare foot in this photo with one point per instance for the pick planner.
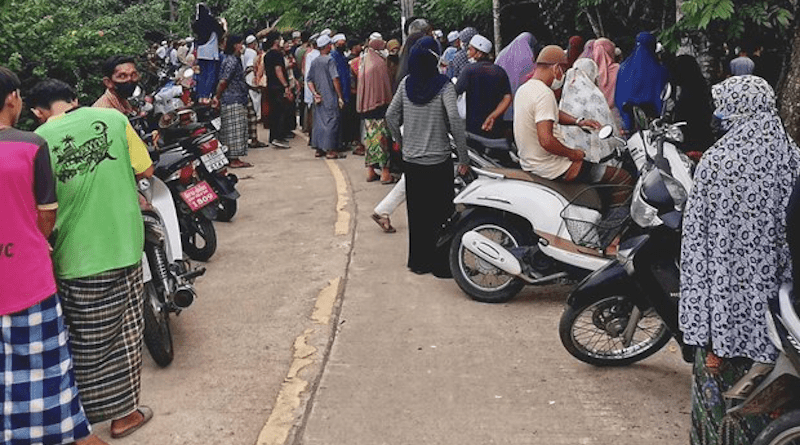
(91, 440)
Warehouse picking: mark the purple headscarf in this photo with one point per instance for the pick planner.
(518, 60)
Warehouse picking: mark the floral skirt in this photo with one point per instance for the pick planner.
(376, 142)
(710, 426)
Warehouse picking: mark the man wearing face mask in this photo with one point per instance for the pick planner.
(538, 136)
(120, 78)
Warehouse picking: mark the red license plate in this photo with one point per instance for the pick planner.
(198, 196)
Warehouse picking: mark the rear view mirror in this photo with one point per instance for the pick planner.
(666, 93)
(606, 132)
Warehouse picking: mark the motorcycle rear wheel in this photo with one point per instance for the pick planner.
(157, 334)
(478, 279)
(226, 209)
(785, 430)
(592, 332)
(198, 237)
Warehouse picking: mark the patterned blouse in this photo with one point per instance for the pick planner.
(734, 255)
(233, 72)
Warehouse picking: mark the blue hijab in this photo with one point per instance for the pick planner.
(424, 80)
(343, 68)
(640, 79)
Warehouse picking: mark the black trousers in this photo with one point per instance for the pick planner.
(277, 114)
(429, 200)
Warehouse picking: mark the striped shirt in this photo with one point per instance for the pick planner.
(426, 127)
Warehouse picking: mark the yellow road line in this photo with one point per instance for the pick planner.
(289, 406)
(342, 226)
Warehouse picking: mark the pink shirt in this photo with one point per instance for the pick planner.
(26, 272)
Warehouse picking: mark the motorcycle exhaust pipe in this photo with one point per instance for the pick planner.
(491, 252)
(184, 297)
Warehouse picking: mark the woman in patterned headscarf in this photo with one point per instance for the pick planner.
(582, 97)
(734, 253)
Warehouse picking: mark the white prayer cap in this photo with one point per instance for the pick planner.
(163, 42)
(481, 43)
(189, 39)
(376, 36)
(295, 34)
(325, 32)
(323, 40)
(452, 37)
(250, 39)
(659, 47)
(438, 33)
(338, 38)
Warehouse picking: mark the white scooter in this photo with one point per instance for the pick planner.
(168, 277)
(512, 228)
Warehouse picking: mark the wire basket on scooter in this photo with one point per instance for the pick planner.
(588, 227)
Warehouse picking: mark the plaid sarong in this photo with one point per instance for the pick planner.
(104, 316)
(234, 129)
(38, 394)
(252, 121)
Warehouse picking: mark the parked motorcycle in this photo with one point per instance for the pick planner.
(628, 309)
(773, 389)
(190, 170)
(168, 277)
(512, 228)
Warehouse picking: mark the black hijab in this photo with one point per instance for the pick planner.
(424, 80)
(693, 104)
(205, 24)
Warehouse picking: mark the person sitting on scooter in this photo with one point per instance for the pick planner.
(538, 137)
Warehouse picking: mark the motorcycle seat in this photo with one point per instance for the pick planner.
(583, 195)
(478, 142)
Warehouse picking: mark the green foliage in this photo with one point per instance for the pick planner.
(731, 19)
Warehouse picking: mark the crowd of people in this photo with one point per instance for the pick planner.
(72, 330)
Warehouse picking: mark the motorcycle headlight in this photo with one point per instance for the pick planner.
(676, 190)
(643, 213)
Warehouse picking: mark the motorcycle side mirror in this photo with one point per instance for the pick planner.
(666, 93)
(606, 132)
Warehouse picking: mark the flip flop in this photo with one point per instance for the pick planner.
(384, 222)
(147, 414)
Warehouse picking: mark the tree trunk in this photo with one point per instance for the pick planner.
(173, 11)
(789, 91)
(406, 11)
(498, 40)
(598, 32)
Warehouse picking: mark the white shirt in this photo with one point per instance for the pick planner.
(249, 57)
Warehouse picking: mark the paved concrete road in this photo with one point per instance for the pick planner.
(413, 360)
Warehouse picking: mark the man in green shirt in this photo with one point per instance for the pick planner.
(97, 248)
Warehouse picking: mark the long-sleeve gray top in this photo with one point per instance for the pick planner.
(426, 127)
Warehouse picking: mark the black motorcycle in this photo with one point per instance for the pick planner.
(628, 309)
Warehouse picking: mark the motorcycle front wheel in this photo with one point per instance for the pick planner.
(480, 280)
(157, 335)
(785, 430)
(593, 332)
(198, 237)
(226, 209)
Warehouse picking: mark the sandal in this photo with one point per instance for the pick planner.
(360, 150)
(146, 413)
(335, 155)
(238, 163)
(319, 154)
(384, 222)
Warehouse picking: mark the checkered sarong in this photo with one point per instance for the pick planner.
(38, 394)
(104, 316)
(252, 121)
(234, 129)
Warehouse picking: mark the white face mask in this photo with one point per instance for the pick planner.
(557, 83)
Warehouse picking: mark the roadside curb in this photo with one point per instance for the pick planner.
(311, 350)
